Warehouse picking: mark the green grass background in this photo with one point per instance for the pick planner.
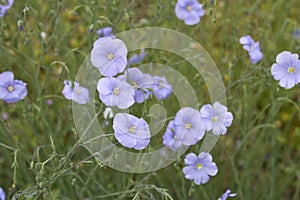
(40, 157)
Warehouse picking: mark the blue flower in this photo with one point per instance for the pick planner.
(287, 69)
(252, 47)
(227, 194)
(188, 126)
(199, 167)
(109, 55)
(216, 118)
(2, 194)
(131, 131)
(5, 8)
(78, 94)
(161, 88)
(189, 10)
(137, 58)
(169, 138)
(5, 116)
(105, 32)
(141, 82)
(11, 90)
(115, 92)
(296, 33)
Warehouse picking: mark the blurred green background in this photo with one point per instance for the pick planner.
(40, 157)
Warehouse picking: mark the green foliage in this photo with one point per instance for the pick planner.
(41, 156)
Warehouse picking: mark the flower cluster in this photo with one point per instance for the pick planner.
(286, 70)
(121, 87)
(252, 47)
(188, 127)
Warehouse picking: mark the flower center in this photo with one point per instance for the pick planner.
(199, 165)
(132, 129)
(252, 47)
(110, 56)
(175, 137)
(10, 88)
(189, 8)
(160, 85)
(116, 91)
(291, 70)
(134, 84)
(214, 119)
(188, 125)
(77, 91)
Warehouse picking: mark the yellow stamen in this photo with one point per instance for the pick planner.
(77, 91)
(10, 88)
(134, 84)
(199, 166)
(132, 129)
(291, 69)
(188, 8)
(110, 56)
(188, 125)
(116, 91)
(214, 119)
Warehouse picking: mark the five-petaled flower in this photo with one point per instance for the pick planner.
(199, 167)
(141, 83)
(105, 32)
(169, 138)
(137, 58)
(109, 55)
(216, 118)
(188, 126)
(78, 93)
(130, 131)
(190, 11)
(11, 90)
(227, 194)
(161, 88)
(287, 69)
(115, 92)
(252, 47)
(5, 8)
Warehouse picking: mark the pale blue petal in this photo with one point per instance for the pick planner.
(6, 78)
